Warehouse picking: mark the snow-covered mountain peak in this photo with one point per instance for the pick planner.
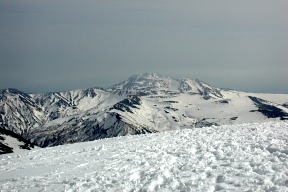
(155, 84)
(146, 84)
(145, 76)
(10, 92)
(143, 103)
(143, 79)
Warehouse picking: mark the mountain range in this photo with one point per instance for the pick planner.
(143, 103)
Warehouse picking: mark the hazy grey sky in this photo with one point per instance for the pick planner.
(51, 45)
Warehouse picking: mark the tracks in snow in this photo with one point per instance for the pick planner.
(247, 157)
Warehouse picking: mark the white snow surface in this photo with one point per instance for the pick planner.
(245, 157)
(12, 142)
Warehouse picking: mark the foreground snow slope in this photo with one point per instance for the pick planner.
(247, 157)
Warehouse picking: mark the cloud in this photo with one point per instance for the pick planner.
(59, 45)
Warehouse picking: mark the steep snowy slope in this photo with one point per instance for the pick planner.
(142, 104)
(12, 142)
(18, 111)
(247, 157)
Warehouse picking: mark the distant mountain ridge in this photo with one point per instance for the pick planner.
(143, 103)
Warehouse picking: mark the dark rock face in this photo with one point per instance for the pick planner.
(171, 108)
(206, 92)
(17, 111)
(269, 111)
(204, 123)
(113, 125)
(128, 103)
(224, 101)
(90, 92)
(5, 148)
(233, 118)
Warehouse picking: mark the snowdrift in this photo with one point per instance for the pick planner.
(245, 157)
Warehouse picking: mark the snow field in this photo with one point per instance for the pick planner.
(246, 157)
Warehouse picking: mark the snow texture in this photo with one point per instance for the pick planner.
(245, 157)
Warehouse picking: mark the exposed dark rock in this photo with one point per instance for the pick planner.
(268, 110)
(171, 101)
(6, 149)
(175, 119)
(90, 92)
(204, 123)
(87, 131)
(224, 101)
(171, 108)
(126, 104)
(206, 92)
(80, 118)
